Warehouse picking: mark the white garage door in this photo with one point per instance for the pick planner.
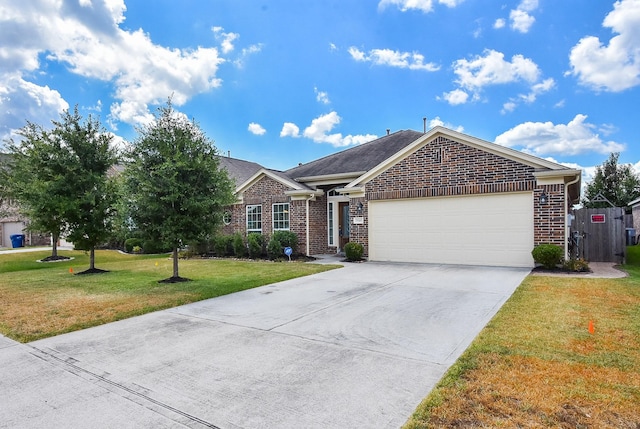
(494, 230)
(8, 229)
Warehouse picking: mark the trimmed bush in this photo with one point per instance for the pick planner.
(130, 243)
(286, 239)
(223, 245)
(548, 255)
(353, 251)
(274, 248)
(239, 248)
(255, 241)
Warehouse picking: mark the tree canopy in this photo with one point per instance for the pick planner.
(617, 183)
(176, 188)
(58, 179)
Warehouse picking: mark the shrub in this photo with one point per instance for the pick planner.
(286, 239)
(223, 245)
(239, 248)
(353, 251)
(130, 243)
(274, 248)
(255, 242)
(154, 246)
(576, 265)
(548, 255)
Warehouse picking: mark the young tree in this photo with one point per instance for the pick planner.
(618, 183)
(90, 147)
(37, 181)
(177, 188)
(58, 179)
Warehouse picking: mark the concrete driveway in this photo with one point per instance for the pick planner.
(356, 347)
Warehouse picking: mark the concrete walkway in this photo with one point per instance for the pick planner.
(356, 347)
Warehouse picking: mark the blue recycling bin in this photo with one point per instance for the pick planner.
(17, 240)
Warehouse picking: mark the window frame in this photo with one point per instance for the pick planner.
(284, 213)
(254, 220)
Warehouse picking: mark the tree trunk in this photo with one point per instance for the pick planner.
(54, 250)
(92, 258)
(175, 262)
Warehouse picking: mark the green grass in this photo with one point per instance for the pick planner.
(537, 365)
(45, 299)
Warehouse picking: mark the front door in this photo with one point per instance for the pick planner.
(343, 224)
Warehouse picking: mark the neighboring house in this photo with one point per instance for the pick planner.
(11, 222)
(434, 197)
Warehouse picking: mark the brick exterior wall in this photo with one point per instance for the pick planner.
(267, 192)
(444, 167)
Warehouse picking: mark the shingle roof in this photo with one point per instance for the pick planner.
(239, 171)
(356, 159)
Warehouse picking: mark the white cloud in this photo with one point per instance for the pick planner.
(256, 129)
(388, 57)
(290, 129)
(500, 23)
(321, 96)
(20, 100)
(521, 19)
(546, 138)
(439, 122)
(536, 90)
(614, 67)
(424, 6)
(457, 96)
(87, 39)
(491, 68)
(227, 39)
(321, 126)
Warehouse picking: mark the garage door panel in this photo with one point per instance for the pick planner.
(494, 229)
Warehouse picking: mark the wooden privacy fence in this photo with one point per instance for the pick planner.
(599, 235)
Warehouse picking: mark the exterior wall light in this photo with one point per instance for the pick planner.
(544, 199)
(359, 207)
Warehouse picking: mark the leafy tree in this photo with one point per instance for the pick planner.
(89, 144)
(177, 188)
(618, 183)
(58, 179)
(37, 180)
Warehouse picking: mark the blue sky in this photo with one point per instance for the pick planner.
(286, 81)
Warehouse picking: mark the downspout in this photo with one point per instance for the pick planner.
(307, 222)
(567, 228)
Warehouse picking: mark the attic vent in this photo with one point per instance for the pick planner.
(388, 131)
(437, 155)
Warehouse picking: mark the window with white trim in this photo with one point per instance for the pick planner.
(330, 223)
(254, 218)
(281, 217)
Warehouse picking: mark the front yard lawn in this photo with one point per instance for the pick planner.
(40, 300)
(538, 364)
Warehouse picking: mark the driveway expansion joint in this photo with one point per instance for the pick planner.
(136, 393)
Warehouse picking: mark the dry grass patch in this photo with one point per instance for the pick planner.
(42, 300)
(536, 365)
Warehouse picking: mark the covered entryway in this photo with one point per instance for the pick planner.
(492, 229)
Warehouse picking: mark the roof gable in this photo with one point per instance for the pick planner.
(546, 168)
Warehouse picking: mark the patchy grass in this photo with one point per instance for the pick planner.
(45, 299)
(537, 365)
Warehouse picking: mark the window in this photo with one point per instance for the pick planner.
(226, 217)
(254, 218)
(281, 216)
(330, 219)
